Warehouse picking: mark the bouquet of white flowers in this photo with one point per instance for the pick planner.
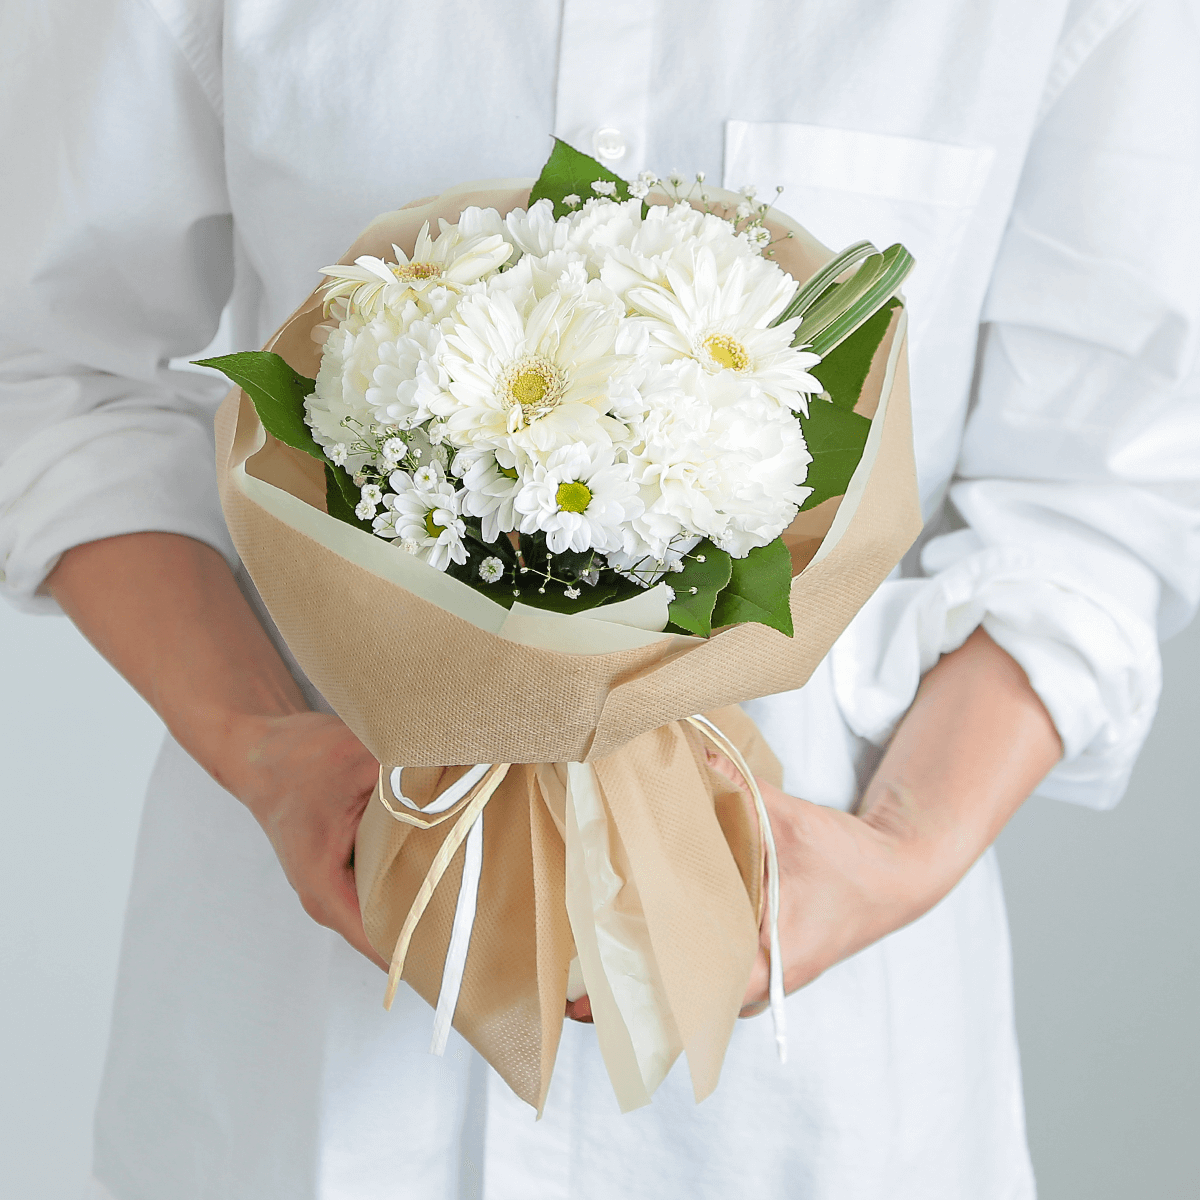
(564, 404)
(528, 497)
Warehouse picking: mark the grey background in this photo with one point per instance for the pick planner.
(1102, 906)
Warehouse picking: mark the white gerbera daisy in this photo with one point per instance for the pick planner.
(527, 372)
(460, 255)
(580, 499)
(724, 323)
(424, 520)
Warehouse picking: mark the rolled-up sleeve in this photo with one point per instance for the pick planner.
(1072, 533)
(119, 256)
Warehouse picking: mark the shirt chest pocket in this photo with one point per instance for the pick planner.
(845, 185)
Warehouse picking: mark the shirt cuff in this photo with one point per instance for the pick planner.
(100, 475)
(1093, 662)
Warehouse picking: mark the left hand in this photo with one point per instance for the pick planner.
(974, 743)
(845, 881)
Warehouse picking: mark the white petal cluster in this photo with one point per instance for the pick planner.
(610, 381)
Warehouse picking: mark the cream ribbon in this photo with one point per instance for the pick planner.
(775, 965)
(637, 1033)
(438, 810)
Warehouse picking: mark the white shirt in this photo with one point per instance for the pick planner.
(180, 157)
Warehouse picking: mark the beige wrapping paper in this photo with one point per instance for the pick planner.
(436, 682)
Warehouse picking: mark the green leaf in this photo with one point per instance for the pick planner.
(707, 570)
(570, 172)
(835, 438)
(844, 370)
(341, 496)
(277, 391)
(759, 589)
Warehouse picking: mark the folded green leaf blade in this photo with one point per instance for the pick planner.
(826, 277)
(759, 589)
(277, 391)
(861, 302)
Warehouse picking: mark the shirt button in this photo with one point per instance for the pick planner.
(609, 144)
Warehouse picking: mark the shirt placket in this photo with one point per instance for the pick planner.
(604, 64)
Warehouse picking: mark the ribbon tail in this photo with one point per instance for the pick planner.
(458, 833)
(775, 993)
(460, 938)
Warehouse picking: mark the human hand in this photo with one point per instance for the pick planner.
(974, 744)
(307, 779)
(845, 880)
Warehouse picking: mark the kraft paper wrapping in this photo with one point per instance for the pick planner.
(431, 675)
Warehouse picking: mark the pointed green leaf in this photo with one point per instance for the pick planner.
(277, 391)
(835, 438)
(570, 172)
(759, 589)
(844, 370)
(706, 570)
(341, 496)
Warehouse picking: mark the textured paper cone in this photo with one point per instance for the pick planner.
(425, 688)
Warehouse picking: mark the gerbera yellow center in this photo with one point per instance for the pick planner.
(727, 352)
(432, 527)
(416, 270)
(573, 497)
(531, 387)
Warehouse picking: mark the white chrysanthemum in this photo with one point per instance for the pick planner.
(460, 255)
(533, 374)
(580, 499)
(424, 520)
(490, 483)
(338, 412)
(723, 322)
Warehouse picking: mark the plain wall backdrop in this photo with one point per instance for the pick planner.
(1103, 909)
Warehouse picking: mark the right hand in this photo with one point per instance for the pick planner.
(307, 779)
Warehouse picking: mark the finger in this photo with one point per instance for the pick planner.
(754, 1010)
(756, 989)
(346, 919)
(723, 766)
(580, 1010)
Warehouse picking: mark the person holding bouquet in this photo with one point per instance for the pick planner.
(185, 159)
